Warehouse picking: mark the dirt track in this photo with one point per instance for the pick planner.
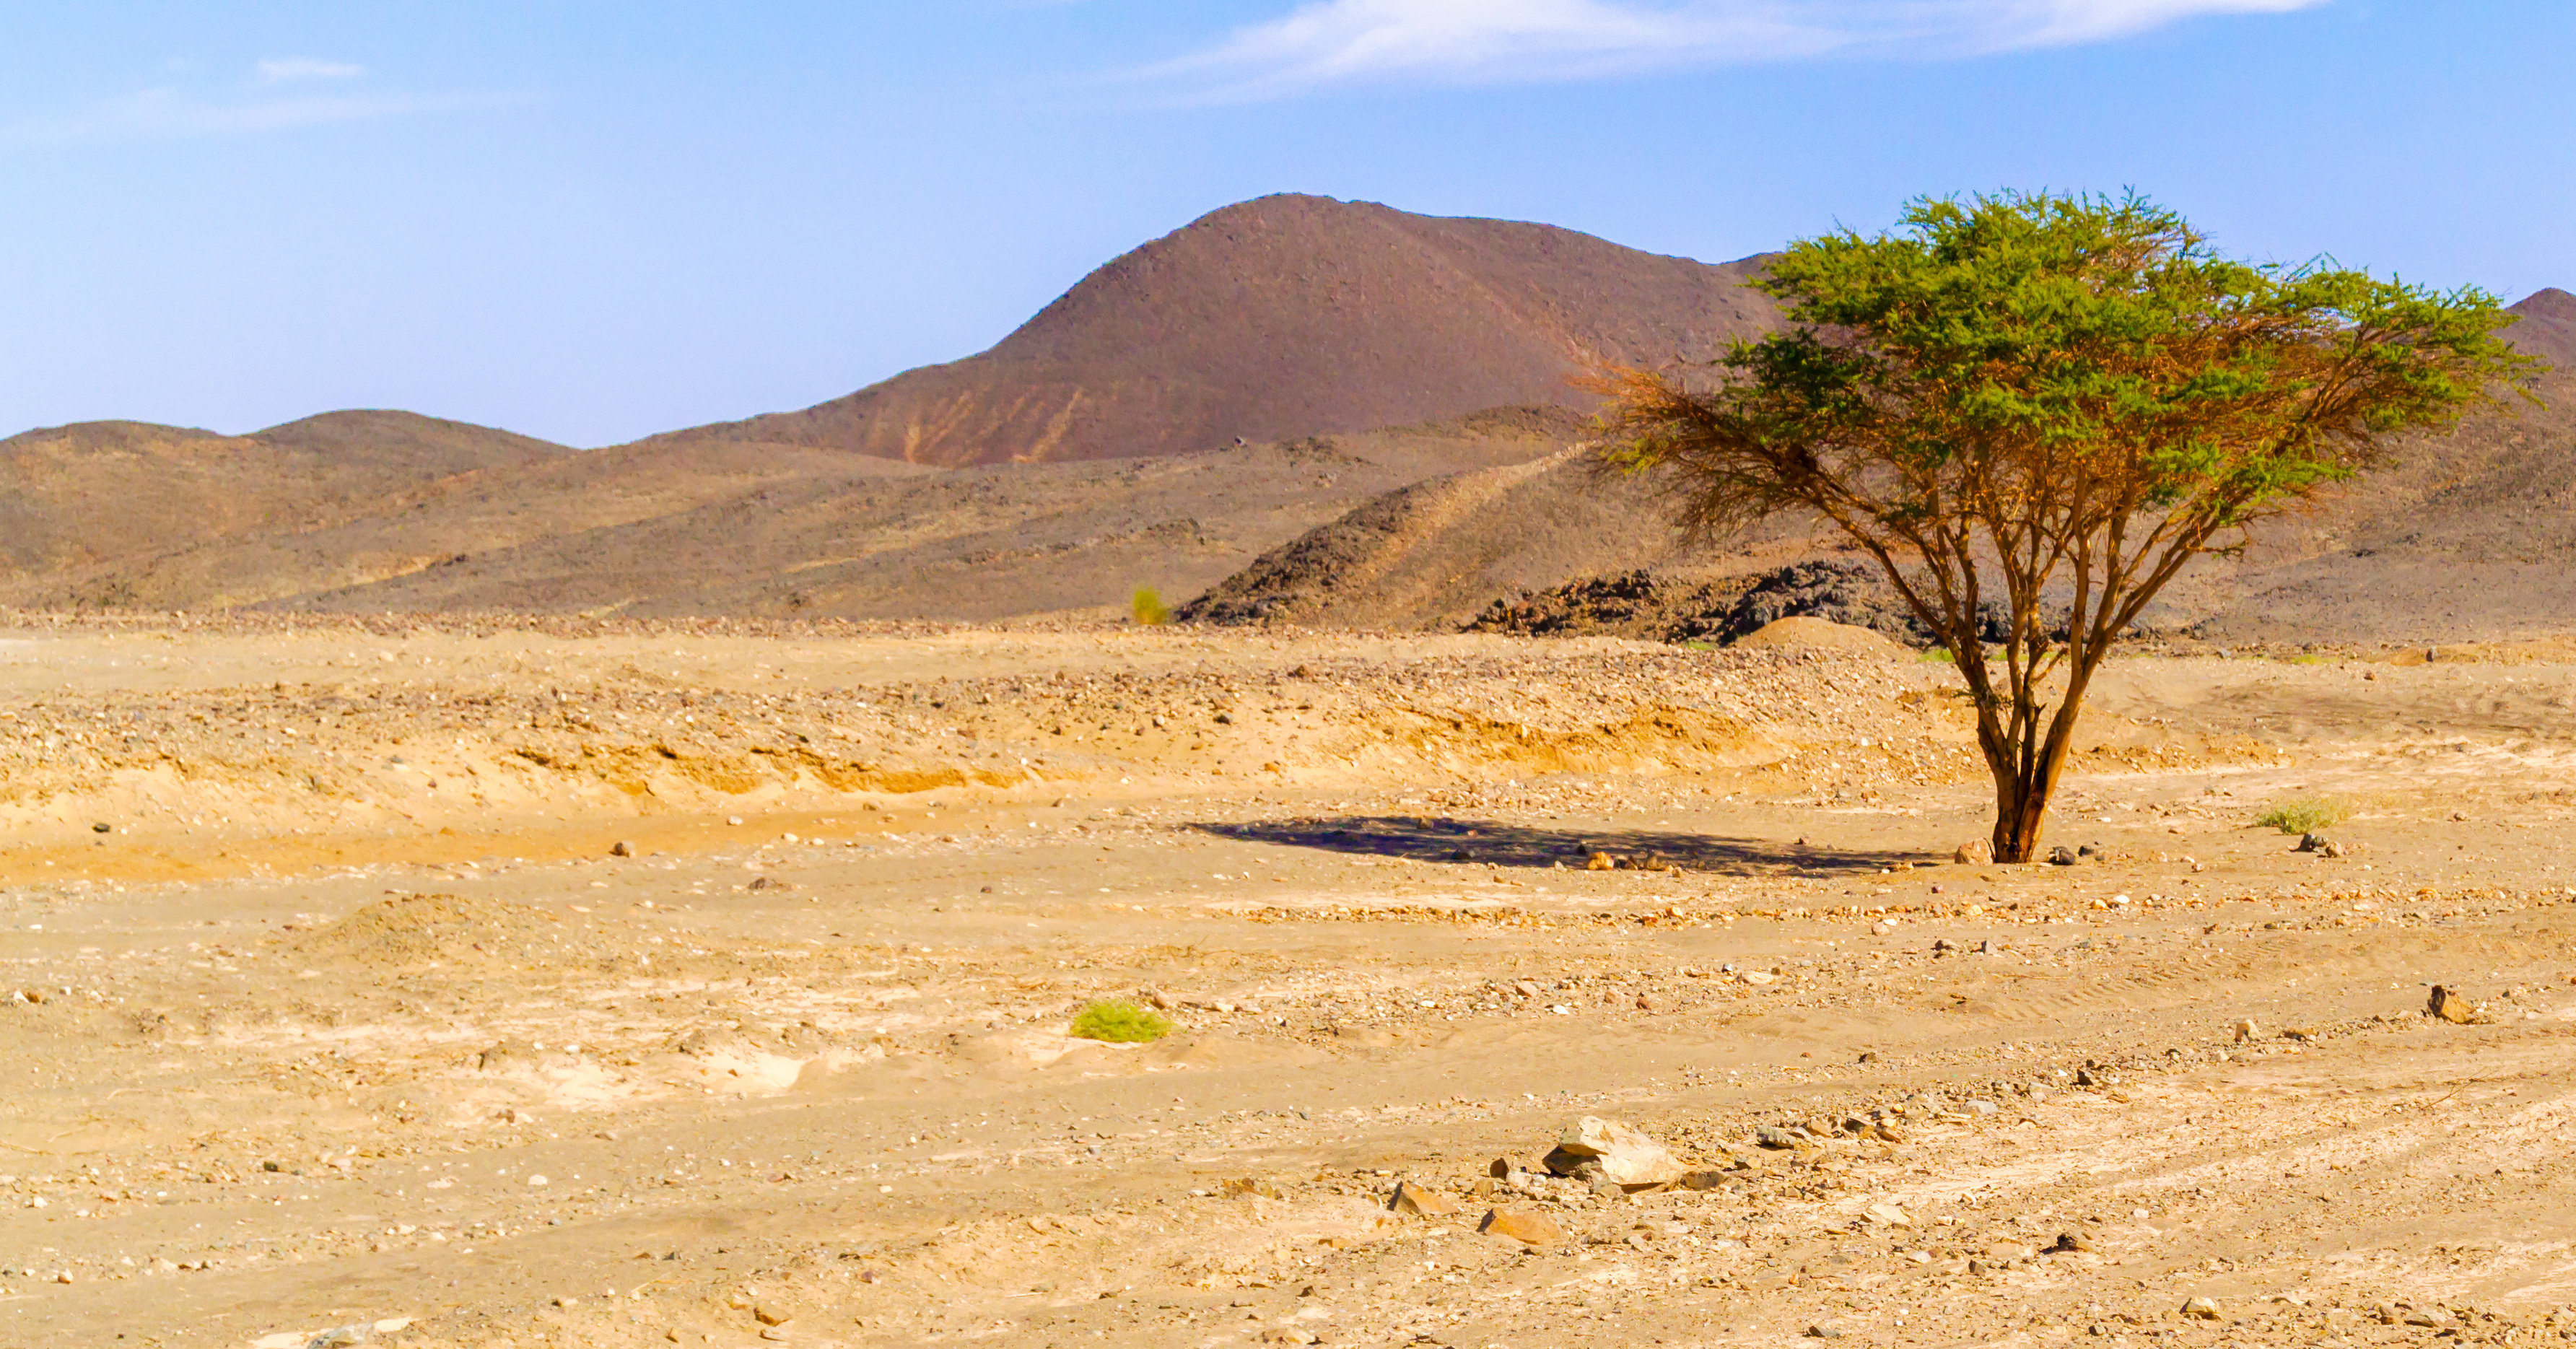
(362, 1023)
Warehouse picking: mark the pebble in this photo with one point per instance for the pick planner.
(2246, 1031)
(1421, 1203)
(1526, 1226)
(2201, 1309)
(621, 848)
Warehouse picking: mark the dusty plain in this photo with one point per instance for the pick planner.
(330, 1014)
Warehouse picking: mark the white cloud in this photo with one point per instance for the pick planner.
(1324, 42)
(168, 114)
(289, 69)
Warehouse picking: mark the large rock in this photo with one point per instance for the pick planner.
(1619, 1152)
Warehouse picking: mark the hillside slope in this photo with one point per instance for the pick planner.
(1283, 317)
(2462, 536)
(74, 499)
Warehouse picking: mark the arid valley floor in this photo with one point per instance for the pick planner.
(330, 1011)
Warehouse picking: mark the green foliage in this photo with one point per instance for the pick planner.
(2014, 400)
(1148, 608)
(2304, 814)
(1119, 1023)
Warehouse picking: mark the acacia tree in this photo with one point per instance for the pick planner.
(2032, 410)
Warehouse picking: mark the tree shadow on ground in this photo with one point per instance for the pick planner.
(1488, 843)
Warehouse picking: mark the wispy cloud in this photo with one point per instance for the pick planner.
(265, 103)
(1325, 42)
(290, 69)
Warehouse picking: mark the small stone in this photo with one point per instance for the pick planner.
(2424, 1316)
(1248, 1187)
(1625, 1154)
(1601, 861)
(1773, 1136)
(734, 820)
(1976, 852)
(2247, 1031)
(1421, 1203)
(1525, 1226)
(1888, 1215)
(2071, 1242)
(1500, 1168)
(770, 1316)
(621, 848)
(102, 827)
(1703, 1180)
(2201, 1309)
(339, 1336)
(2451, 1007)
(1824, 1331)
(2061, 856)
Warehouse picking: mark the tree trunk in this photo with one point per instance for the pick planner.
(2021, 799)
(2021, 806)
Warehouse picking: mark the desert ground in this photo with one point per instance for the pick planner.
(451, 983)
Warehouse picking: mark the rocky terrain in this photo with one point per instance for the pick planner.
(587, 982)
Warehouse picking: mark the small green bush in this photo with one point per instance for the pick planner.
(2304, 814)
(1118, 1022)
(1149, 609)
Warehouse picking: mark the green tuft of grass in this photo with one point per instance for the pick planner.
(2304, 814)
(1119, 1023)
(1149, 609)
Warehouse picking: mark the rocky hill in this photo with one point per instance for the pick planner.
(1283, 317)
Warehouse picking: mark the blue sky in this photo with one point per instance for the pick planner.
(591, 221)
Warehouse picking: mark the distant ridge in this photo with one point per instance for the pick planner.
(1283, 317)
(2545, 326)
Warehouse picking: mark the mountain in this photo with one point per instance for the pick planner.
(1283, 317)
(2545, 326)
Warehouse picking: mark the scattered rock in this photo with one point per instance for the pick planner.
(2450, 1006)
(1500, 1168)
(1888, 1215)
(2072, 1242)
(769, 1316)
(1976, 852)
(2247, 1031)
(1248, 1187)
(621, 848)
(1421, 1203)
(2061, 856)
(1624, 1154)
(1773, 1136)
(1824, 1331)
(2201, 1309)
(1601, 861)
(1526, 1226)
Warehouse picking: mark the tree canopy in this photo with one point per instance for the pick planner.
(2037, 408)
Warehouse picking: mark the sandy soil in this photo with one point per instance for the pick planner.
(329, 1015)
